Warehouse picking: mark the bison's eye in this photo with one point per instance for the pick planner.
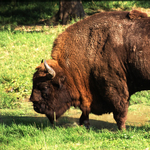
(44, 95)
(45, 92)
(45, 88)
(42, 88)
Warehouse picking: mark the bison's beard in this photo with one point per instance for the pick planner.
(55, 114)
(43, 109)
(50, 113)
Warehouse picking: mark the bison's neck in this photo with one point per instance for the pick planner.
(71, 84)
(78, 85)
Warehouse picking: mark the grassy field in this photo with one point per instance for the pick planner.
(24, 42)
(23, 129)
(20, 53)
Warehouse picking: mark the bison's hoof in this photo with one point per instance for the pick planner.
(87, 124)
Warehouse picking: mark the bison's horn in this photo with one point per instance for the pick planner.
(49, 69)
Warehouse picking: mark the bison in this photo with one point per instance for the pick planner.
(97, 64)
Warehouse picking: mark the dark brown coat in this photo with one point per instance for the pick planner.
(98, 63)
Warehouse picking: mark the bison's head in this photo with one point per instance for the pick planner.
(49, 94)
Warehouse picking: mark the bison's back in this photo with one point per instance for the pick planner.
(102, 45)
(86, 38)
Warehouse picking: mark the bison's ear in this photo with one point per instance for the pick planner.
(59, 81)
(62, 79)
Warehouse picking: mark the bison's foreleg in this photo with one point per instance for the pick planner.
(84, 119)
(50, 117)
(120, 112)
(119, 97)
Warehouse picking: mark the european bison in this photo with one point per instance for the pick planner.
(96, 65)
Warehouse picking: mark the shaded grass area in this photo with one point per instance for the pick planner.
(28, 130)
(37, 12)
(27, 13)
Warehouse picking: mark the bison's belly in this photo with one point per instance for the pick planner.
(100, 108)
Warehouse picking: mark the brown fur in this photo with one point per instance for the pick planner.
(99, 63)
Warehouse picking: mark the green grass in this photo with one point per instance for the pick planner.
(27, 13)
(22, 129)
(107, 5)
(41, 135)
(22, 51)
(30, 137)
(140, 98)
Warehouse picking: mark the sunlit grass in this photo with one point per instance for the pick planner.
(20, 54)
(46, 137)
(23, 129)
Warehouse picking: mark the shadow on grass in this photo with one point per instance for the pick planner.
(25, 13)
(63, 122)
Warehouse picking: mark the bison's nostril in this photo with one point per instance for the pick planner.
(34, 102)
